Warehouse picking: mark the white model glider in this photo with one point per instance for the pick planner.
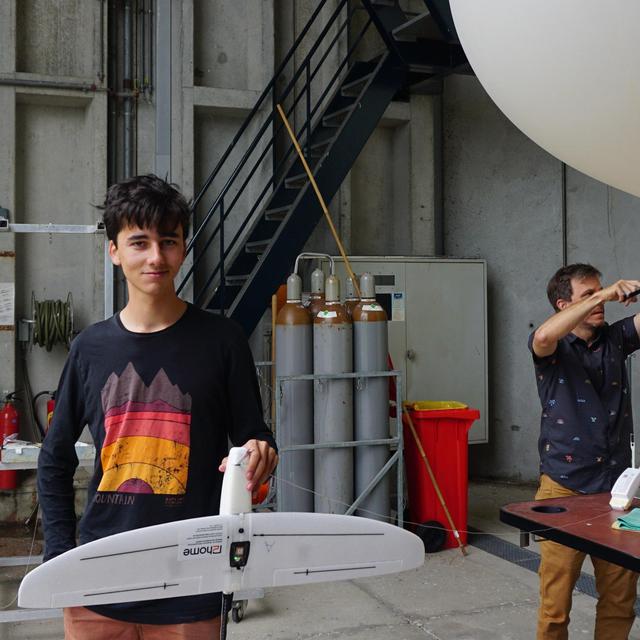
(236, 550)
(565, 73)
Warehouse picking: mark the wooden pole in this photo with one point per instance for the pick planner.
(456, 535)
(314, 184)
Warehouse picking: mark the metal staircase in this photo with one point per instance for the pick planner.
(334, 84)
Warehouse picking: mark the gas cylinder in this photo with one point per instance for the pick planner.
(350, 297)
(9, 429)
(371, 400)
(316, 299)
(333, 403)
(294, 356)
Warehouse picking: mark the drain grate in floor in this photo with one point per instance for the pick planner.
(528, 559)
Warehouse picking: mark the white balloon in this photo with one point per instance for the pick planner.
(567, 73)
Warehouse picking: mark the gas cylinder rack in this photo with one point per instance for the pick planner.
(394, 442)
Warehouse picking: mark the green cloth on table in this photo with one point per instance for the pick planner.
(629, 521)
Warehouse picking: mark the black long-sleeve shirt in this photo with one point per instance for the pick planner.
(160, 407)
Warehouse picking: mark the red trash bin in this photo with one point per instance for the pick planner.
(442, 428)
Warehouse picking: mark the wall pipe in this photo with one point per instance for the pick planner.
(101, 71)
(162, 68)
(151, 49)
(563, 205)
(148, 39)
(127, 84)
(112, 79)
(110, 284)
(142, 60)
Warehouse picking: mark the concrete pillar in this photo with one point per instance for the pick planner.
(7, 199)
(422, 181)
(8, 36)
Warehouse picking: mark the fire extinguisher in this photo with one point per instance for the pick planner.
(9, 428)
(51, 405)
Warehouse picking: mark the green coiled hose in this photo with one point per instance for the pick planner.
(53, 322)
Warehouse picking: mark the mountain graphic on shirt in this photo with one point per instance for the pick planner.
(147, 435)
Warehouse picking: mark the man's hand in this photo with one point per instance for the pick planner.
(618, 292)
(262, 461)
(586, 302)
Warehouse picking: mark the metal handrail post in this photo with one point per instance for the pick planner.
(222, 274)
(274, 154)
(400, 467)
(308, 121)
(277, 397)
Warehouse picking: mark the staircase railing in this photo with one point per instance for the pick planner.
(260, 140)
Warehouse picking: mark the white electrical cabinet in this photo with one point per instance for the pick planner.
(437, 310)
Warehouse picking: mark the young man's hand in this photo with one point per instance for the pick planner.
(262, 461)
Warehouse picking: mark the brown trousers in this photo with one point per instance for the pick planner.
(559, 571)
(83, 624)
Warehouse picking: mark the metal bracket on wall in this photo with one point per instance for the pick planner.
(5, 225)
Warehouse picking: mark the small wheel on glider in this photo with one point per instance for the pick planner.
(432, 534)
(237, 610)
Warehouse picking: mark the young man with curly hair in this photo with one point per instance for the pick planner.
(162, 386)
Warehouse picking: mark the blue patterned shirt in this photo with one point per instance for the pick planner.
(586, 422)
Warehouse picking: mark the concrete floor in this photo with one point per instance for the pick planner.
(477, 597)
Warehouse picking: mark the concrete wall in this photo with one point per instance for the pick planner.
(394, 177)
(53, 143)
(7, 199)
(56, 38)
(52, 171)
(503, 202)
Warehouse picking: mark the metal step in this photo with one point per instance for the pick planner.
(296, 182)
(277, 214)
(429, 86)
(319, 149)
(217, 311)
(352, 89)
(236, 281)
(421, 26)
(335, 119)
(257, 246)
(431, 57)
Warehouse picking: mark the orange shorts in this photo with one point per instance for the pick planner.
(83, 624)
